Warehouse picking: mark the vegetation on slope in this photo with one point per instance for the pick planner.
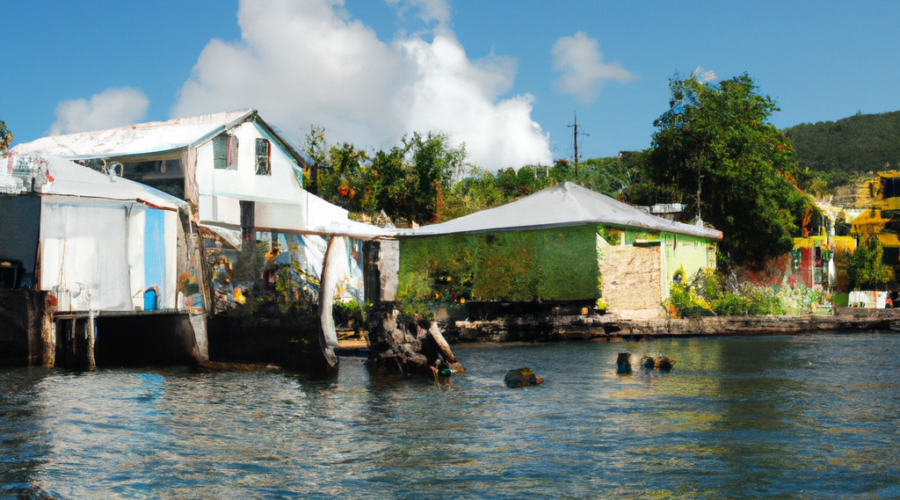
(838, 152)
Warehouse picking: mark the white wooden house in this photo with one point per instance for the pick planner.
(243, 180)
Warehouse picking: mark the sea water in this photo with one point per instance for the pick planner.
(811, 416)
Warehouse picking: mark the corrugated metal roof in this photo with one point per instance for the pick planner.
(138, 139)
(70, 179)
(565, 204)
(55, 176)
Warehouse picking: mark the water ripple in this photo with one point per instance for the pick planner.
(791, 417)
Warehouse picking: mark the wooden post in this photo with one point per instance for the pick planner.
(48, 341)
(91, 362)
(327, 286)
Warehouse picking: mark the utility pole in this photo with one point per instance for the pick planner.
(575, 126)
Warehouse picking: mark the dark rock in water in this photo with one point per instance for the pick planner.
(623, 363)
(405, 345)
(663, 363)
(523, 377)
(659, 362)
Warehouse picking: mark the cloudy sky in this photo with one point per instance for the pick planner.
(505, 76)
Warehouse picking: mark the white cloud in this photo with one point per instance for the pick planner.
(303, 62)
(429, 10)
(583, 70)
(114, 107)
(705, 76)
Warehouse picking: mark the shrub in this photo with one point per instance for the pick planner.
(686, 302)
(730, 304)
(708, 284)
(763, 300)
(345, 312)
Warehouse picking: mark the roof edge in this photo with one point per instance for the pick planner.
(223, 128)
(537, 227)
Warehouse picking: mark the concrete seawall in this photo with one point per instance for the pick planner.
(755, 325)
(542, 328)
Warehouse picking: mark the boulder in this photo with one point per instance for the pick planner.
(623, 363)
(659, 362)
(523, 377)
(663, 363)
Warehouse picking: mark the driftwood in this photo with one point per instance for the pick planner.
(407, 345)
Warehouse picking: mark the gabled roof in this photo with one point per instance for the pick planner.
(566, 204)
(137, 139)
(143, 139)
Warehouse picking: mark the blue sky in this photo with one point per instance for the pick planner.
(484, 72)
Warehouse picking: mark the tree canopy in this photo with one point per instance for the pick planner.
(715, 150)
(6, 137)
(406, 182)
(837, 152)
(866, 267)
(426, 179)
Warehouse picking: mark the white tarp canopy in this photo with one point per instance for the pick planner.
(565, 204)
(326, 219)
(70, 179)
(309, 215)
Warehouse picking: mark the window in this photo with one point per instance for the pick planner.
(225, 152)
(263, 157)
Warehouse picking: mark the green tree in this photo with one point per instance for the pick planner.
(346, 181)
(477, 190)
(316, 148)
(716, 147)
(436, 165)
(866, 268)
(394, 182)
(6, 137)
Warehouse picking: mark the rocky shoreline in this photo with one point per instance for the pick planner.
(541, 328)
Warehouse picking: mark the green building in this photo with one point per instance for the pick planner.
(562, 244)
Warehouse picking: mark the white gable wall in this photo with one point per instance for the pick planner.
(243, 183)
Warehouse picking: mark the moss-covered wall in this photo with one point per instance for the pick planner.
(548, 265)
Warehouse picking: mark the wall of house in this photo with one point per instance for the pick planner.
(632, 279)
(690, 252)
(98, 251)
(556, 264)
(20, 225)
(242, 183)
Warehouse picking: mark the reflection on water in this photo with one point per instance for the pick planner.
(795, 417)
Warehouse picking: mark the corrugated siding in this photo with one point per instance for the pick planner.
(84, 249)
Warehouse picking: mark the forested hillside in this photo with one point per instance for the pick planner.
(838, 151)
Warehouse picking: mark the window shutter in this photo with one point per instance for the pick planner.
(232, 152)
(220, 151)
